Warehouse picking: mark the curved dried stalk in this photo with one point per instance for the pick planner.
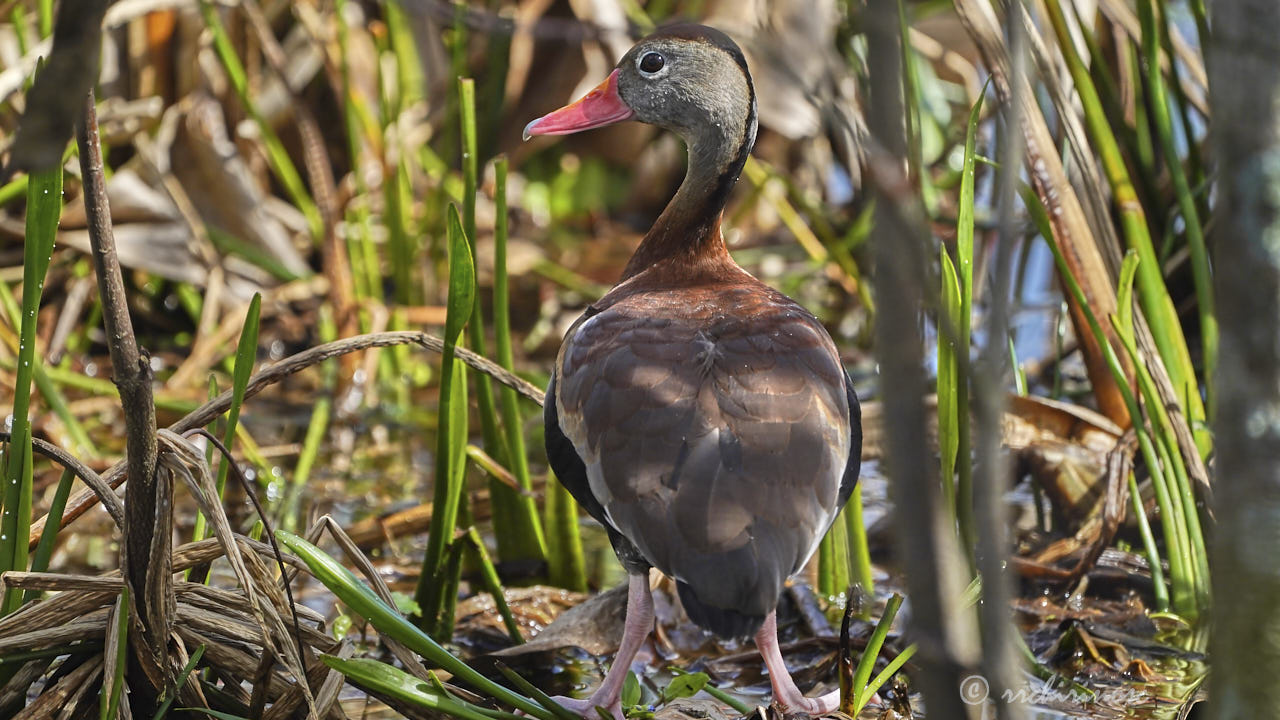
(105, 494)
(293, 364)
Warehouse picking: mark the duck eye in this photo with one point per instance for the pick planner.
(651, 63)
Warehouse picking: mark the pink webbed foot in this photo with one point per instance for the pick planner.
(639, 622)
(793, 701)
(785, 693)
(586, 707)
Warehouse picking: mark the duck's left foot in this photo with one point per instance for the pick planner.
(587, 707)
(790, 700)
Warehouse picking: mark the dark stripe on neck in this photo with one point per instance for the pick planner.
(729, 176)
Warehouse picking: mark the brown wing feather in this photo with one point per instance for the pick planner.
(714, 426)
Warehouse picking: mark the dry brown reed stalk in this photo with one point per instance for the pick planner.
(145, 551)
(254, 615)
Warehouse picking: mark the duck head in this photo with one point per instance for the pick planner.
(689, 79)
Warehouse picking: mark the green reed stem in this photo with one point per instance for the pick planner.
(566, 567)
(834, 561)
(44, 8)
(859, 549)
(524, 529)
(1186, 199)
(510, 519)
(410, 79)
(44, 207)
(492, 584)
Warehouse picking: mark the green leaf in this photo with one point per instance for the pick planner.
(948, 378)
(630, 690)
(683, 686)
(399, 684)
(1124, 294)
(722, 696)
(451, 427)
(362, 601)
(182, 680)
(242, 370)
(462, 278)
(405, 603)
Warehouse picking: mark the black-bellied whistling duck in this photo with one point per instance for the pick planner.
(702, 417)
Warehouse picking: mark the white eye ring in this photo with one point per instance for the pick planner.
(650, 58)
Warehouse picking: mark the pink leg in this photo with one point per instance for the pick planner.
(785, 692)
(638, 624)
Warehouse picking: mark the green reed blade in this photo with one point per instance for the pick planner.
(1181, 508)
(44, 207)
(451, 431)
(962, 317)
(171, 695)
(1184, 596)
(915, 118)
(1186, 200)
(492, 584)
(363, 602)
(948, 379)
(44, 549)
(867, 662)
(242, 370)
(394, 682)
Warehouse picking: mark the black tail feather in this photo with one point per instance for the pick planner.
(726, 623)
